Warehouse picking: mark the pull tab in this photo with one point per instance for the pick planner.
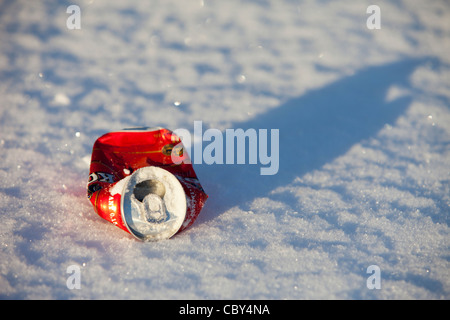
(154, 209)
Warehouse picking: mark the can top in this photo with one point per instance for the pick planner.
(153, 203)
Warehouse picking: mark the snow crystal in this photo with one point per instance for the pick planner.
(364, 160)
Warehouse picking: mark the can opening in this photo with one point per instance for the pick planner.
(142, 189)
(151, 193)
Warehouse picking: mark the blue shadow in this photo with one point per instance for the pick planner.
(314, 129)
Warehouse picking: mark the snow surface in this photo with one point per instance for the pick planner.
(364, 126)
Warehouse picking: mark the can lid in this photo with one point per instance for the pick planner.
(153, 204)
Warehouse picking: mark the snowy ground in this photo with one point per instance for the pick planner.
(364, 126)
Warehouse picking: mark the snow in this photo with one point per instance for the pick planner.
(364, 124)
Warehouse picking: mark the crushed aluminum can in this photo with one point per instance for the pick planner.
(135, 183)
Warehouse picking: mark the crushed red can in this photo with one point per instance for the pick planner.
(142, 181)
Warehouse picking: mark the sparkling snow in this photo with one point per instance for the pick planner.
(364, 165)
